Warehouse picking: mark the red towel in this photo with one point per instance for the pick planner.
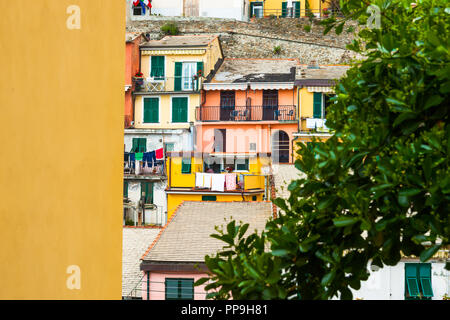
(136, 3)
(159, 154)
(149, 5)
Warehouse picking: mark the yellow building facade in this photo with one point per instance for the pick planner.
(183, 167)
(61, 213)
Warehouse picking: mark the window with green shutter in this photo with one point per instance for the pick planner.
(284, 9)
(179, 289)
(179, 110)
(418, 281)
(317, 111)
(139, 145)
(157, 67)
(242, 165)
(151, 110)
(178, 76)
(125, 189)
(186, 165)
(296, 9)
(209, 198)
(147, 192)
(200, 72)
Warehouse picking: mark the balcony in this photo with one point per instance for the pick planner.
(246, 113)
(316, 124)
(167, 84)
(244, 182)
(138, 171)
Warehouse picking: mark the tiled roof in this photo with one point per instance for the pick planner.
(180, 41)
(186, 238)
(255, 70)
(320, 76)
(135, 242)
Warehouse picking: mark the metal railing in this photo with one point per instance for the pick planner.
(246, 113)
(296, 13)
(169, 84)
(143, 171)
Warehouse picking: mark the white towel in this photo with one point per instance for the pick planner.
(218, 182)
(199, 180)
(207, 180)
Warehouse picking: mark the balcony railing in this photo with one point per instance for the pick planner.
(246, 113)
(295, 13)
(137, 169)
(169, 84)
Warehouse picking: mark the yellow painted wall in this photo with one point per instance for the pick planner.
(174, 200)
(61, 98)
(305, 107)
(165, 114)
(273, 7)
(180, 180)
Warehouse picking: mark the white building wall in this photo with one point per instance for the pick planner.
(388, 283)
(230, 9)
(182, 141)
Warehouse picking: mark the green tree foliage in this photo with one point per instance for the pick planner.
(379, 187)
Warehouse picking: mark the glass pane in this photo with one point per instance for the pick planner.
(189, 70)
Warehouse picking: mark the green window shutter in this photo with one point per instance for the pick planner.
(412, 286)
(125, 189)
(147, 189)
(209, 198)
(186, 165)
(296, 9)
(186, 289)
(178, 75)
(425, 279)
(151, 110)
(179, 109)
(251, 9)
(135, 146)
(157, 70)
(317, 111)
(242, 166)
(284, 9)
(142, 145)
(171, 289)
(199, 68)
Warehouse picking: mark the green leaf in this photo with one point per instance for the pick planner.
(326, 280)
(428, 253)
(280, 252)
(409, 192)
(345, 221)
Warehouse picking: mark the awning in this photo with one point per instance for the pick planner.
(272, 86)
(225, 86)
(173, 52)
(320, 89)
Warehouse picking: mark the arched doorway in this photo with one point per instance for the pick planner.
(280, 147)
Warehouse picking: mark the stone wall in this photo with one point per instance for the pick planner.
(259, 37)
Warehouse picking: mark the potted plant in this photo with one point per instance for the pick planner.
(325, 12)
(138, 80)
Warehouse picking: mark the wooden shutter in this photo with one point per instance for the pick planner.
(284, 9)
(157, 70)
(171, 289)
(186, 165)
(209, 198)
(125, 189)
(151, 110)
(425, 279)
(135, 146)
(180, 109)
(199, 68)
(317, 111)
(178, 75)
(296, 9)
(412, 286)
(186, 289)
(142, 145)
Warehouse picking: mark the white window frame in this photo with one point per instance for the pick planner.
(183, 77)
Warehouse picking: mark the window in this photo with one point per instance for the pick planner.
(170, 147)
(256, 9)
(157, 70)
(242, 164)
(186, 165)
(254, 198)
(179, 110)
(179, 289)
(318, 104)
(184, 75)
(209, 198)
(147, 192)
(227, 105)
(220, 140)
(151, 110)
(125, 189)
(418, 281)
(139, 145)
(137, 10)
